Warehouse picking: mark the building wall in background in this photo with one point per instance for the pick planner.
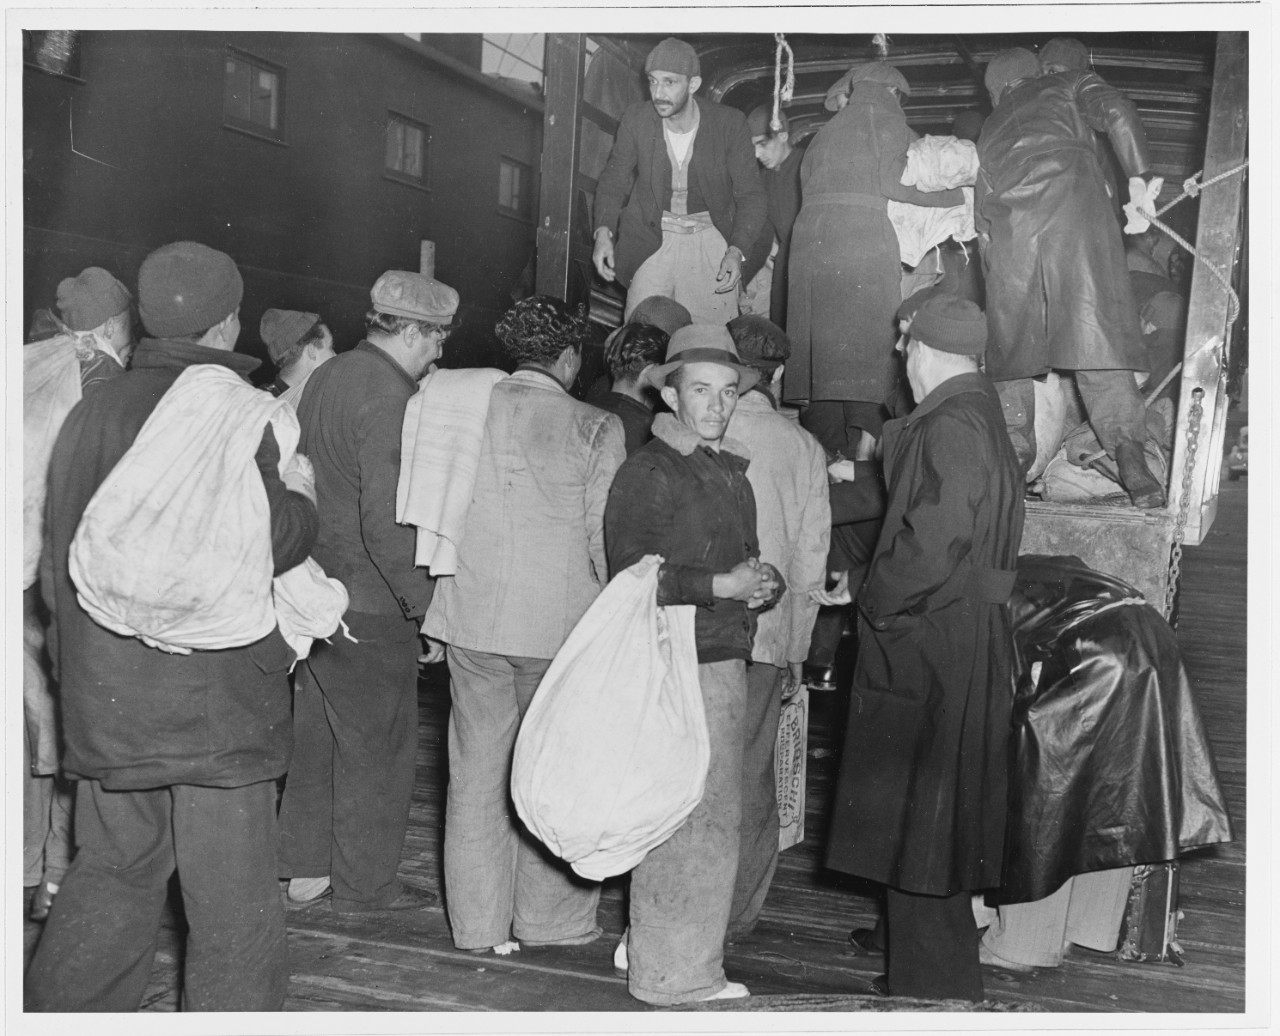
(136, 153)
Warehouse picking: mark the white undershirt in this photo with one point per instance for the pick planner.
(680, 142)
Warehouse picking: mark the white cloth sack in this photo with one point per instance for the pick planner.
(1053, 399)
(175, 546)
(439, 454)
(50, 388)
(935, 163)
(612, 755)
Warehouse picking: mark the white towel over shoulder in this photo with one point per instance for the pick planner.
(439, 454)
(175, 546)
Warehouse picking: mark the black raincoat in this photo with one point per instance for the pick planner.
(921, 797)
(1058, 294)
(1110, 763)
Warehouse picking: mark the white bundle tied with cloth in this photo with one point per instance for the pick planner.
(439, 454)
(50, 388)
(935, 163)
(612, 755)
(174, 548)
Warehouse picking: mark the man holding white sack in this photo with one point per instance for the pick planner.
(177, 754)
(346, 802)
(685, 496)
(529, 563)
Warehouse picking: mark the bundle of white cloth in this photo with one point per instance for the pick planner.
(935, 163)
(174, 548)
(439, 455)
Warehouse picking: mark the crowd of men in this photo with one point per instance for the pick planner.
(686, 451)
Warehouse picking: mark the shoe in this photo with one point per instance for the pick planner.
(993, 960)
(1143, 488)
(820, 677)
(620, 962)
(410, 898)
(731, 991)
(42, 901)
(878, 986)
(303, 892)
(863, 940)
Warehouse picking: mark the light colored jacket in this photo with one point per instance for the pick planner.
(531, 558)
(788, 475)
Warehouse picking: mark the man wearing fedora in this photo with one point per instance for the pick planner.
(680, 194)
(920, 802)
(685, 496)
(346, 801)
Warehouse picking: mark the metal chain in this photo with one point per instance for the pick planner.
(1184, 504)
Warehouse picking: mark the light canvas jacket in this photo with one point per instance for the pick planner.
(788, 475)
(531, 558)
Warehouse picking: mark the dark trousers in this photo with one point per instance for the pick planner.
(100, 940)
(1111, 399)
(758, 841)
(932, 946)
(355, 732)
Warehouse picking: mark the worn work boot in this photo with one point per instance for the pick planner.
(1143, 488)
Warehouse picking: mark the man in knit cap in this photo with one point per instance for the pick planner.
(95, 319)
(346, 803)
(177, 755)
(679, 204)
(1058, 293)
(920, 802)
(685, 496)
(98, 311)
(297, 344)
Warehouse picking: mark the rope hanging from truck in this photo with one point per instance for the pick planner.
(1191, 188)
(782, 91)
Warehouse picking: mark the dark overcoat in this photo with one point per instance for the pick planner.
(1058, 293)
(844, 271)
(920, 803)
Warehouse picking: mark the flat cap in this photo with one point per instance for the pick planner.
(673, 55)
(661, 311)
(91, 298)
(950, 325)
(282, 329)
(405, 294)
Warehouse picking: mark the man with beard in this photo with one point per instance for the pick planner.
(681, 195)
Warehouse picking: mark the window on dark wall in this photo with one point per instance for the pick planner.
(515, 188)
(407, 141)
(253, 99)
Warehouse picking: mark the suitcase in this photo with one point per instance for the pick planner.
(1149, 928)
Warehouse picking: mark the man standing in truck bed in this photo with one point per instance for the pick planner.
(681, 195)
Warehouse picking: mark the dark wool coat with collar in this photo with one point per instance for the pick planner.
(134, 716)
(678, 498)
(921, 799)
(635, 186)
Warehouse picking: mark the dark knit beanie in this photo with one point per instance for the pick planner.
(282, 329)
(673, 55)
(90, 299)
(950, 325)
(1064, 51)
(185, 288)
(1007, 67)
